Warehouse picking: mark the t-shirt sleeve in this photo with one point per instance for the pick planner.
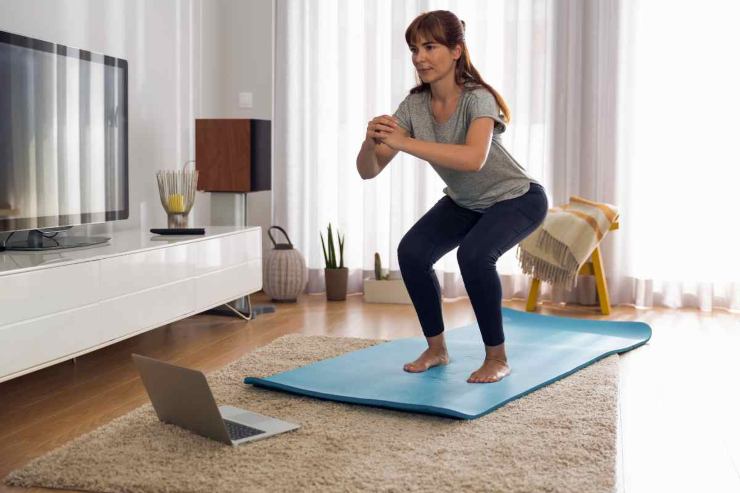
(483, 104)
(403, 113)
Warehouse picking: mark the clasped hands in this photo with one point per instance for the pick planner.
(385, 129)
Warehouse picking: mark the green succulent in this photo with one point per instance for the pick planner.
(330, 255)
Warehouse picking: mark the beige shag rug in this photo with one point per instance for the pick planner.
(561, 438)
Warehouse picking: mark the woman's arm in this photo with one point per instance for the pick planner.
(469, 157)
(372, 158)
(374, 155)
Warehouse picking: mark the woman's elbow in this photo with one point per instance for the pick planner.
(364, 174)
(477, 164)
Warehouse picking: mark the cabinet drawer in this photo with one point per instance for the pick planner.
(146, 309)
(227, 285)
(38, 293)
(43, 340)
(127, 274)
(229, 251)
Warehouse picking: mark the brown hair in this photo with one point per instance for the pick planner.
(445, 28)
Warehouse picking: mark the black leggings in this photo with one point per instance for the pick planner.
(482, 238)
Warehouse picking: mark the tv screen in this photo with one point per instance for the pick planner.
(63, 135)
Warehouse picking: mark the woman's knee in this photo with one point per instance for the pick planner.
(411, 252)
(473, 259)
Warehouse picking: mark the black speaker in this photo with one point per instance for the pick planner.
(261, 153)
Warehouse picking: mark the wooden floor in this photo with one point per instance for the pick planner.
(679, 394)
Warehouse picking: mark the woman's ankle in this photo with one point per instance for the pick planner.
(497, 353)
(437, 344)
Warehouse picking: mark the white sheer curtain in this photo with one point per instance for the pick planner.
(562, 67)
(678, 156)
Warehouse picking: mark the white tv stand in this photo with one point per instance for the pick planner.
(60, 304)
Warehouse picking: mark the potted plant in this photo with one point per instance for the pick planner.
(334, 275)
(383, 289)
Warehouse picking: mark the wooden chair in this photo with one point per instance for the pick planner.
(592, 267)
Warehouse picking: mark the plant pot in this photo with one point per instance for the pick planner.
(336, 283)
(386, 291)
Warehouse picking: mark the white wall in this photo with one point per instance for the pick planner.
(235, 51)
(187, 59)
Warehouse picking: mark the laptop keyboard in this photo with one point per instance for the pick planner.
(238, 431)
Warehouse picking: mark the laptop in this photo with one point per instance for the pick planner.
(182, 397)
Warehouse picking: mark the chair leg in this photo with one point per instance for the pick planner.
(601, 288)
(533, 292)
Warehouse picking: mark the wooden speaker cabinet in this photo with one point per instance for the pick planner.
(223, 155)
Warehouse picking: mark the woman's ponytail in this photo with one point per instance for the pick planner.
(465, 72)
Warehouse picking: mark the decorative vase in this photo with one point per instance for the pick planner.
(336, 283)
(284, 270)
(177, 194)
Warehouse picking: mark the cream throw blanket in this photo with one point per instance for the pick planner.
(559, 247)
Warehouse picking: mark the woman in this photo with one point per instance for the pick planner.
(453, 120)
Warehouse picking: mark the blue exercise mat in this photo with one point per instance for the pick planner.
(541, 349)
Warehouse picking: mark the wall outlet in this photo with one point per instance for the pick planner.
(245, 99)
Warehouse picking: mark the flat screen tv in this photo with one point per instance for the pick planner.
(63, 141)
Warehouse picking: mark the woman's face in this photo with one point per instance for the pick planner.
(433, 61)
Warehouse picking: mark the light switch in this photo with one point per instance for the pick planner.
(245, 99)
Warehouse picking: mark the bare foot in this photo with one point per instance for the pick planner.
(492, 370)
(428, 359)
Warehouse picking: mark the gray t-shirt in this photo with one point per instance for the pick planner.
(500, 178)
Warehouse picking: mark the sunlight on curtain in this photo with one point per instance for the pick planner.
(679, 155)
